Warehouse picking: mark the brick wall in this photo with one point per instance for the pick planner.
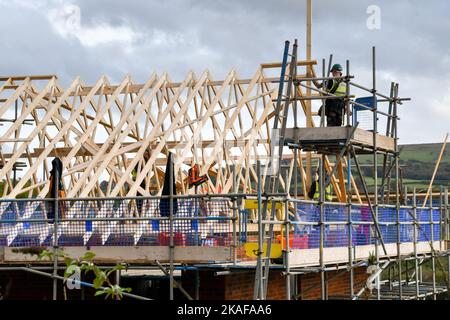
(235, 286)
(338, 284)
(239, 285)
(20, 285)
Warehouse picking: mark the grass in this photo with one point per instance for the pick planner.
(427, 152)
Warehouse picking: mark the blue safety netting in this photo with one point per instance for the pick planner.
(363, 231)
(31, 223)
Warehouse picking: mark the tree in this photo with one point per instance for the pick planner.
(85, 265)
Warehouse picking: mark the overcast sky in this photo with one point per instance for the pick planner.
(115, 38)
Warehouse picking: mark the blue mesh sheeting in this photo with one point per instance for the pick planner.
(424, 216)
(308, 212)
(361, 213)
(335, 213)
(301, 237)
(307, 235)
(407, 228)
(387, 214)
(436, 215)
(336, 236)
(361, 232)
(79, 229)
(17, 230)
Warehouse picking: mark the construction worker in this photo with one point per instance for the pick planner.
(56, 190)
(134, 173)
(334, 108)
(314, 190)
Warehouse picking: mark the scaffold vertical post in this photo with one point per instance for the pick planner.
(375, 163)
(197, 284)
(433, 255)
(415, 233)
(399, 257)
(347, 93)
(397, 196)
(349, 188)
(322, 110)
(287, 228)
(447, 216)
(295, 172)
(322, 227)
(259, 285)
(405, 197)
(55, 233)
(235, 217)
(390, 277)
(171, 225)
(441, 217)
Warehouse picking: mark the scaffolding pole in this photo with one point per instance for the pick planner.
(235, 217)
(349, 188)
(375, 164)
(415, 232)
(287, 249)
(55, 234)
(433, 253)
(171, 240)
(446, 217)
(259, 285)
(397, 194)
(322, 228)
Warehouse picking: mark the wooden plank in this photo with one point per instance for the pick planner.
(340, 171)
(50, 112)
(278, 64)
(331, 134)
(131, 254)
(31, 77)
(435, 170)
(366, 138)
(168, 132)
(310, 257)
(121, 136)
(135, 88)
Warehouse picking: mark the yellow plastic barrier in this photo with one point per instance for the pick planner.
(253, 204)
(251, 250)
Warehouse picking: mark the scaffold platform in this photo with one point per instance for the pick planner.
(330, 140)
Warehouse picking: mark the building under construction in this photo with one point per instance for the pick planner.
(226, 215)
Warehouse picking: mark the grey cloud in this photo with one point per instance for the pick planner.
(220, 35)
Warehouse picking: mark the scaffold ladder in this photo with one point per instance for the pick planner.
(273, 178)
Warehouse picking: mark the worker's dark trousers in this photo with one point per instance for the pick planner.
(139, 204)
(333, 110)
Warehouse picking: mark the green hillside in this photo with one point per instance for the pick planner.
(417, 162)
(427, 152)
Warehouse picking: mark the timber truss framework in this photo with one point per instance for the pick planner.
(101, 132)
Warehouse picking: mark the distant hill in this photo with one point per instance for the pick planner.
(417, 163)
(426, 152)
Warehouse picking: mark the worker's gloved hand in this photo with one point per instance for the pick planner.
(329, 84)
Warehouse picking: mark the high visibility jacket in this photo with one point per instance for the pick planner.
(328, 193)
(338, 88)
